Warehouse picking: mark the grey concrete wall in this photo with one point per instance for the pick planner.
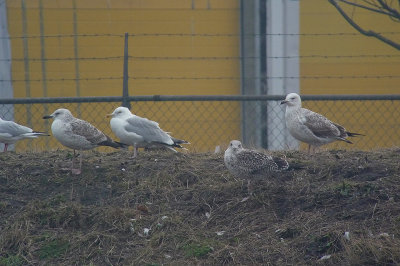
(269, 51)
(6, 89)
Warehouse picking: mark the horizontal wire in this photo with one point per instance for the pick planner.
(170, 98)
(189, 35)
(65, 58)
(204, 78)
(63, 36)
(261, 78)
(257, 57)
(264, 34)
(59, 79)
(201, 57)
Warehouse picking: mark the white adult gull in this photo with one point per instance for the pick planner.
(140, 132)
(11, 132)
(246, 163)
(310, 127)
(78, 134)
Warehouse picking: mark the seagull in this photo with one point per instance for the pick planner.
(246, 163)
(140, 132)
(78, 134)
(310, 127)
(11, 132)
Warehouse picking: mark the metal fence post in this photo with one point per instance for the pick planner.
(125, 92)
(26, 65)
(76, 54)
(44, 70)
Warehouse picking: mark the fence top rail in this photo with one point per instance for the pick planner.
(197, 98)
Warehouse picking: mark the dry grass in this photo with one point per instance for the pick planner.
(185, 209)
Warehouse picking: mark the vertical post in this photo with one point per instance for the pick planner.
(282, 18)
(43, 60)
(76, 54)
(6, 88)
(125, 92)
(242, 74)
(250, 71)
(26, 65)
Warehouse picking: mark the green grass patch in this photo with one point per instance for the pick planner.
(197, 250)
(53, 249)
(15, 260)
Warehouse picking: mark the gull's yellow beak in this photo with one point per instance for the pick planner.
(109, 115)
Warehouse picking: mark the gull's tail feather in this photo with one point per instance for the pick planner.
(176, 143)
(179, 141)
(281, 163)
(352, 134)
(111, 143)
(35, 134)
(345, 140)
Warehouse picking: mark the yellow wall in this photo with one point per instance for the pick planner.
(321, 17)
(193, 121)
(135, 17)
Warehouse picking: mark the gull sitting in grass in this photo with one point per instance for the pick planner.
(11, 132)
(78, 134)
(140, 132)
(247, 164)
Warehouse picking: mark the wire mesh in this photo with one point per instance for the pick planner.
(207, 124)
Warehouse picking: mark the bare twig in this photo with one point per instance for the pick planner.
(368, 33)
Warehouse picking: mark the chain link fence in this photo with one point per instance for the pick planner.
(211, 121)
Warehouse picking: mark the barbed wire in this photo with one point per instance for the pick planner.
(257, 57)
(334, 34)
(60, 79)
(64, 36)
(64, 58)
(277, 77)
(202, 57)
(250, 35)
(204, 78)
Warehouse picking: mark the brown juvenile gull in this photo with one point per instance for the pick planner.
(310, 127)
(78, 134)
(11, 132)
(246, 163)
(140, 132)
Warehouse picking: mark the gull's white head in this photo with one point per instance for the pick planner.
(292, 99)
(235, 146)
(62, 114)
(120, 112)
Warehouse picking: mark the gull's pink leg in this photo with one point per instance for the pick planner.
(5, 147)
(77, 171)
(135, 151)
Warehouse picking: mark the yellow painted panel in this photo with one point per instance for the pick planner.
(131, 4)
(103, 77)
(354, 74)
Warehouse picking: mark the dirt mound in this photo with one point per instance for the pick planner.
(185, 209)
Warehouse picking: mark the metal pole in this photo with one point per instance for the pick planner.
(76, 54)
(26, 65)
(44, 71)
(125, 92)
(242, 73)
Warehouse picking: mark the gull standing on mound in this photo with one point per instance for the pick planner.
(11, 132)
(310, 127)
(78, 134)
(247, 163)
(140, 132)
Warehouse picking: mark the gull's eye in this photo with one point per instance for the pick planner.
(231, 144)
